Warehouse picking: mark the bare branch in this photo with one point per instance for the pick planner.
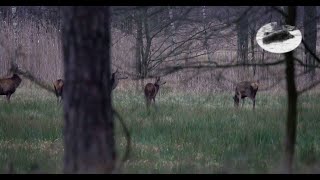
(213, 65)
(315, 84)
(14, 68)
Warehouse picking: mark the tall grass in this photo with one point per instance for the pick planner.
(185, 133)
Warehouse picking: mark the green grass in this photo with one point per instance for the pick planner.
(185, 134)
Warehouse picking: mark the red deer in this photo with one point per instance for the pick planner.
(58, 88)
(115, 77)
(9, 85)
(246, 89)
(151, 90)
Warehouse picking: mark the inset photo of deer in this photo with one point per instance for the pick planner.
(58, 89)
(246, 89)
(8, 86)
(276, 38)
(151, 90)
(116, 77)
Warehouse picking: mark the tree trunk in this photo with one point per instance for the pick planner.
(291, 124)
(205, 42)
(252, 40)
(310, 36)
(89, 144)
(139, 50)
(15, 33)
(146, 53)
(243, 40)
(173, 29)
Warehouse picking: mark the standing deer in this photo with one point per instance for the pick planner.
(115, 77)
(246, 89)
(151, 90)
(8, 86)
(58, 88)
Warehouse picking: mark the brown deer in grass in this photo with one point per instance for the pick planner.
(115, 77)
(58, 88)
(246, 89)
(8, 86)
(151, 90)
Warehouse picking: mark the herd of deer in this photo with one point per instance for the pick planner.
(242, 90)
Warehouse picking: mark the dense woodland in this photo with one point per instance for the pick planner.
(199, 50)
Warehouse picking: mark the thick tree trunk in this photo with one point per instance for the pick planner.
(89, 144)
(310, 36)
(291, 124)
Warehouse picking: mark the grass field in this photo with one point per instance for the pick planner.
(187, 134)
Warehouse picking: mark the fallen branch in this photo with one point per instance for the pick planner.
(14, 68)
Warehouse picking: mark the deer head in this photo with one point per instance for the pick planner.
(159, 82)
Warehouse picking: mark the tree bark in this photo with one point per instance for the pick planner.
(243, 40)
(252, 40)
(310, 36)
(139, 46)
(292, 95)
(89, 144)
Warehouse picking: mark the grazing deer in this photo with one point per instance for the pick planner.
(115, 77)
(9, 85)
(151, 90)
(246, 89)
(58, 88)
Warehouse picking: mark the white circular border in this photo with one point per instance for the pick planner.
(278, 47)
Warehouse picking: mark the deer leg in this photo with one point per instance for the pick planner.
(154, 103)
(8, 97)
(239, 99)
(147, 103)
(254, 103)
(242, 102)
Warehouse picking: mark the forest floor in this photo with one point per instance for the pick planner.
(187, 133)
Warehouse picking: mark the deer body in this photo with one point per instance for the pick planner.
(58, 88)
(8, 86)
(246, 89)
(151, 90)
(115, 77)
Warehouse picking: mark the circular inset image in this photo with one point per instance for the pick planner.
(278, 39)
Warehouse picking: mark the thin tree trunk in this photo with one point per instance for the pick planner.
(89, 144)
(205, 42)
(291, 124)
(252, 39)
(138, 49)
(310, 36)
(15, 33)
(146, 56)
(243, 40)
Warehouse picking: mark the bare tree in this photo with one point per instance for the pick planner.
(310, 36)
(292, 95)
(242, 28)
(89, 129)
